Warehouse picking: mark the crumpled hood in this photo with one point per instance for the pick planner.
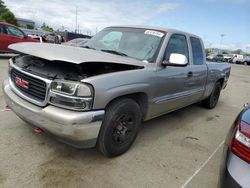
(56, 52)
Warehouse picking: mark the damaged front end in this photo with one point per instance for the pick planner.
(59, 83)
(67, 70)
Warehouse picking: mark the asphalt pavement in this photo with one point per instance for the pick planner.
(181, 149)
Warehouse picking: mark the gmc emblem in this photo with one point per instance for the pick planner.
(22, 83)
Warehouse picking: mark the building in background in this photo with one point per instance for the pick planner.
(25, 23)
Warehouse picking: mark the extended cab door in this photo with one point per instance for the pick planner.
(170, 90)
(197, 73)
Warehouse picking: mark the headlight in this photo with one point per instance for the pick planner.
(71, 88)
(71, 95)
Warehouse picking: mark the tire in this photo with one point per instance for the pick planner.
(245, 63)
(120, 127)
(212, 100)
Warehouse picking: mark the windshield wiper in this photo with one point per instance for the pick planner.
(88, 47)
(115, 52)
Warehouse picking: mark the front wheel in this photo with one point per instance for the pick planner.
(212, 100)
(119, 128)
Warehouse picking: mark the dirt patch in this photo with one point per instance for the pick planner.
(59, 171)
(64, 176)
(193, 145)
(2, 178)
(245, 81)
(192, 138)
(210, 118)
(63, 169)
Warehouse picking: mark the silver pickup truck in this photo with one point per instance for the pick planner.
(100, 94)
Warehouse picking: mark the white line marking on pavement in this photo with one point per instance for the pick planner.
(203, 165)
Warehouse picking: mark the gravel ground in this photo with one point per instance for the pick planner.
(167, 152)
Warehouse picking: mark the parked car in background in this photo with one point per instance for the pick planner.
(78, 42)
(219, 58)
(210, 57)
(215, 57)
(67, 36)
(235, 166)
(246, 61)
(52, 38)
(10, 34)
(228, 57)
(238, 59)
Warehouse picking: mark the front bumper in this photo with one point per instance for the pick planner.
(79, 129)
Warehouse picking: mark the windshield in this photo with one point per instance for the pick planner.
(140, 44)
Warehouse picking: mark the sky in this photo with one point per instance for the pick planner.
(208, 19)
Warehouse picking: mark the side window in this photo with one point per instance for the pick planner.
(14, 31)
(2, 29)
(198, 55)
(177, 44)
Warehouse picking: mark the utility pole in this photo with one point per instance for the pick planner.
(222, 35)
(76, 20)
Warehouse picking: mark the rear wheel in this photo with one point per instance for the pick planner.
(212, 100)
(120, 127)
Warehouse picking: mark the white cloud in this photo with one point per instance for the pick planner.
(91, 14)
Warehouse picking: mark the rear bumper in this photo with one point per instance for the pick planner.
(236, 173)
(79, 129)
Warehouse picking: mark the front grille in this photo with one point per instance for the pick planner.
(36, 88)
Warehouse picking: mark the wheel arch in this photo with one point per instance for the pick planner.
(140, 98)
(221, 81)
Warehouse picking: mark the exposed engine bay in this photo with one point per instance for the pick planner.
(65, 70)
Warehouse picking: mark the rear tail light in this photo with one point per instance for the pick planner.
(240, 144)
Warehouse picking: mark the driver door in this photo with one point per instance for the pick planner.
(171, 91)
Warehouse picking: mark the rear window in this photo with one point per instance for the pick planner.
(198, 55)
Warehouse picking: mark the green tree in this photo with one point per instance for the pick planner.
(207, 51)
(47, 28)
(6, 15)
(2, 4)
(2, 7)
(30, 26)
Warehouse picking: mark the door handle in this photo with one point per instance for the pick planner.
(190, 74)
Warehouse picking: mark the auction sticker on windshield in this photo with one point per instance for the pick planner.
(154, 33)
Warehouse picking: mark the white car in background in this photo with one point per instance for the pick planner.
(228, 57)
(77, 42)
(238, 59)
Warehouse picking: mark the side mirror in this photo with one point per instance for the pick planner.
(25, 36)
(177, 60)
